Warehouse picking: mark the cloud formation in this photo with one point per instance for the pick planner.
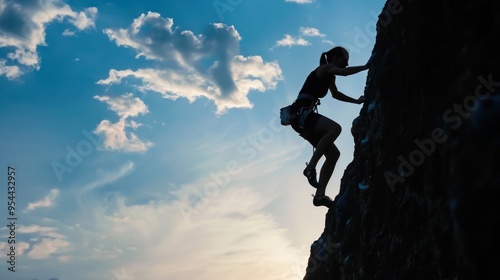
(300, 1)
(46, 241)
(205, 65)
(116, 135)
(22, 29)
(232, 236)
(290, 41)
(310, 32)
(46, 202)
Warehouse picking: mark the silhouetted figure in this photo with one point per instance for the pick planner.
(319, 130)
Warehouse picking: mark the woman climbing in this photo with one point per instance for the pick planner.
(317, 129)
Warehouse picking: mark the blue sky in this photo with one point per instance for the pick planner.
(145, 135)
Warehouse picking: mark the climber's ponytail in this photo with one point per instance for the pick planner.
(323, 59)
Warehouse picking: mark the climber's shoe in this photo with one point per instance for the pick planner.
(322, 201)
(311, 176)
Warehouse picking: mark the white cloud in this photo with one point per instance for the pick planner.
(22, 29)
(125, 106)
(232, 233)
(310, 31)
(68, 33)
(59, 240)
(85, 19)
(41, 230)
(48, 247)
(300, 1)
(205, 65)
(50, 242)
(134, 124)
(116, 138)
(115, 135)
(46, 202)
(289, 41)
(249, 73)
(21, 247)
(231, 236)
(10, 71)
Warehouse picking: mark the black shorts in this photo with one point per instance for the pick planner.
(308, 132)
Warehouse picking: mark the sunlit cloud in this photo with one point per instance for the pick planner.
(289, 41)
(300, 1)
(228, 231)
(230, 236)
(42, 231)
(21, 248)
(46, 242)
(68, 33)
(46, 202)
(22, 30)
(205, 65)
(311, 32)
(116, 136)
(10, 71)
(47, 247)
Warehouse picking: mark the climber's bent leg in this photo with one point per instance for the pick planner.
(332, 155)
(320, 198)
(332, 130)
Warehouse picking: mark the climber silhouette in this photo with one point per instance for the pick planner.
(317, 129)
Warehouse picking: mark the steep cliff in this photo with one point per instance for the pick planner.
(420, 198)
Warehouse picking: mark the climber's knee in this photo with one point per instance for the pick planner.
(333, 152)
(326, 124)
(335, 128)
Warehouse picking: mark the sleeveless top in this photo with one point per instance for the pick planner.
(315, 86)
(312, 90)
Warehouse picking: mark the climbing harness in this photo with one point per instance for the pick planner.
(303, 112)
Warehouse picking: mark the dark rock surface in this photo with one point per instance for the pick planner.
(420, 200)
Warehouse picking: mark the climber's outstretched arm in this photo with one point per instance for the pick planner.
(342, 97)
(331, 69)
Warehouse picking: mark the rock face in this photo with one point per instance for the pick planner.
(420, 200)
